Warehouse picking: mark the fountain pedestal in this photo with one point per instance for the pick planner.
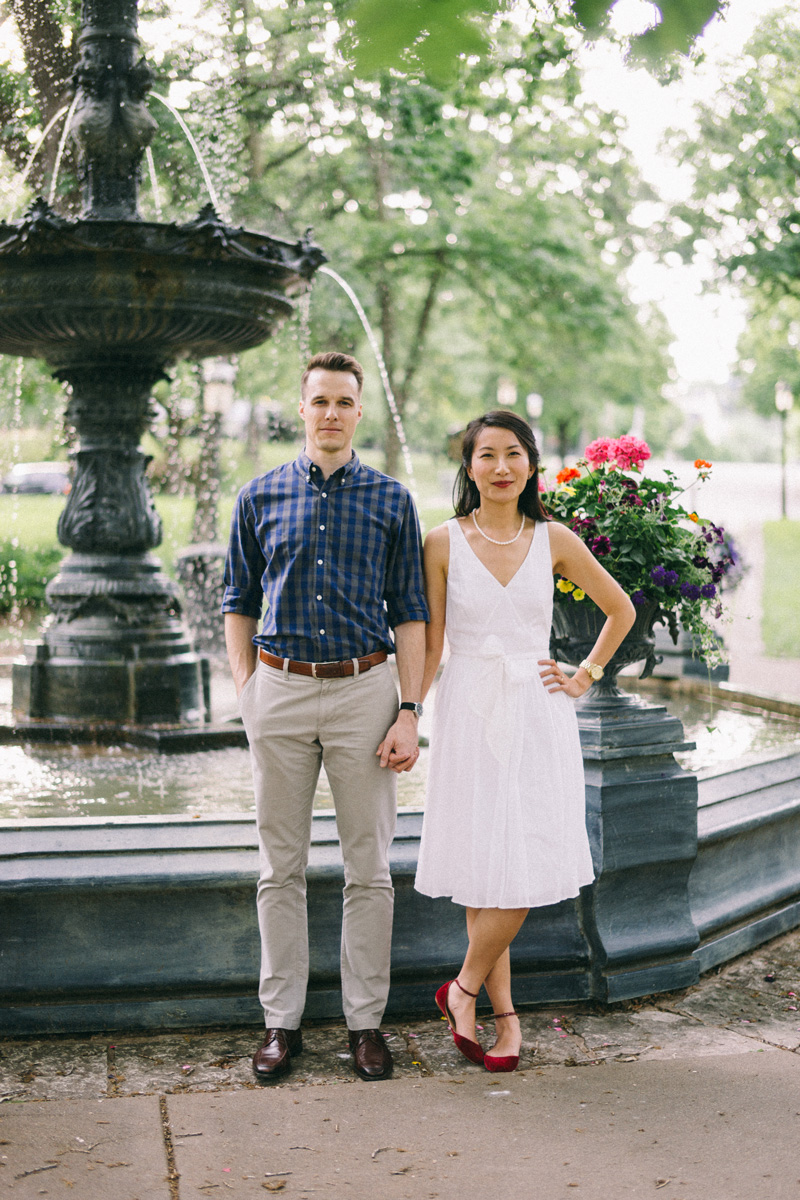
(642, 821)
(115, 650)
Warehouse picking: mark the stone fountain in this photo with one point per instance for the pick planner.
(110, 301)
(689, 872)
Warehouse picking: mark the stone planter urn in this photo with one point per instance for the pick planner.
(641, 815)
(576, 627)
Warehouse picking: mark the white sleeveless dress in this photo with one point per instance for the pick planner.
(504, 823)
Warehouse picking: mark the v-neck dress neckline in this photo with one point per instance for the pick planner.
(483, 564)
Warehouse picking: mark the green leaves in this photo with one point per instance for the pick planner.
(434, 36)
(682, 21)
(427, 35)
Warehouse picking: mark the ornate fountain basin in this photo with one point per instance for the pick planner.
(71, 288)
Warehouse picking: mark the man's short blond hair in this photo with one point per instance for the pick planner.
(334, 360)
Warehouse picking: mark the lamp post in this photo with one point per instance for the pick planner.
(784, 401)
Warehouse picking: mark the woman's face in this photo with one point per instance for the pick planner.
(500, 467)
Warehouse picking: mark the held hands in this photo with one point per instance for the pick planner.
(555, 680)
(399, 750)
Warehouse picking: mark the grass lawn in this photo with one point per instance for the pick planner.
(780, 623)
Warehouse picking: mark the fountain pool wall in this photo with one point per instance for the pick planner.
(150, 922)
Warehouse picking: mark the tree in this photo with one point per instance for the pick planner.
(746, 155)
(502, 198)
(769, 351)
(417, 35)
(746, 201)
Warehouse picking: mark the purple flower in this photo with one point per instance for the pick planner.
(632, 500)
(691, 591)
(671, 577)
(713, 533)
(708, 591)
(700, 561)
(638, 597)
(600, 546)
(659, 575)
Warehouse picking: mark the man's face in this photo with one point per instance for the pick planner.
(331, 408)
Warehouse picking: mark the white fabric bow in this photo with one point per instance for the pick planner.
(495, 693)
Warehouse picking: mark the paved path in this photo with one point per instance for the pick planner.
(693, 1095)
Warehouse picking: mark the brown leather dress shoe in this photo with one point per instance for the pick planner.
(372, 1058)
(274, 1057)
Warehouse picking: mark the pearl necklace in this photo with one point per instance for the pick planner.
(494, 541)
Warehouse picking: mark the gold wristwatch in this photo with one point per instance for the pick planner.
(593, 670)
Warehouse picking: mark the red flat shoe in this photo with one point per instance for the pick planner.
(498, 1062)
(469, 1049)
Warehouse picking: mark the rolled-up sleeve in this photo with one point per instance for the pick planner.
(405, 588)
(244, 564)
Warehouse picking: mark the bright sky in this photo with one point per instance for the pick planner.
(706, 327)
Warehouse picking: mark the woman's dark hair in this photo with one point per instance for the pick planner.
(466, 496)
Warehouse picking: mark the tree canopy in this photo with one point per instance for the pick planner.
(745, 205)
(483, 222)
(746, 158)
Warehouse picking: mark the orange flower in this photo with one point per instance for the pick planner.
(694, 517)
(567, 474)
(700, 463)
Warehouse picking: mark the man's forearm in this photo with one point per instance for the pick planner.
(409, 643)
(239, 634)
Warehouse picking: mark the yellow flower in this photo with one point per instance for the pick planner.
(693, 517)
(578, 594)
(564, 585)
(563, 490)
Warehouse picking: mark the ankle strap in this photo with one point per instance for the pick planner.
(497, 1016)
(464, 990)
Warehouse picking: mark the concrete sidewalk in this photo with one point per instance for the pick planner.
(692, 1095)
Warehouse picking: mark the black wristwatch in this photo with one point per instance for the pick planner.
(412, 706)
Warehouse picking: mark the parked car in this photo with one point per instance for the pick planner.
(40, 477)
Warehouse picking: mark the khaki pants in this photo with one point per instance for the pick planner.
(294, 724)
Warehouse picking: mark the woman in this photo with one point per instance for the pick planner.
(504, 828)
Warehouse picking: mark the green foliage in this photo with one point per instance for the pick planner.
(483, 221)
(28, 396)
(655, 549)
(746, 158)
(780, 626)
(24, 573)
(431, 36)
(769, 351)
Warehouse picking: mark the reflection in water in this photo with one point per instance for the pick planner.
(725, 734)
(80, 781)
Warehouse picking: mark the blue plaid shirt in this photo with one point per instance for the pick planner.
(338, 560)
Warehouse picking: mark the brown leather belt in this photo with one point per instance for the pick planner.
(324, 670)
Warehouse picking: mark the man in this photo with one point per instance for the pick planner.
(334, 548)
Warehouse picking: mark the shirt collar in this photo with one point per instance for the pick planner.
(310, 470)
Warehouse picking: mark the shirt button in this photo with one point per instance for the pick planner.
(322, 630)
(319, 562)
(324, 495)
(322, 526)
(319, 597)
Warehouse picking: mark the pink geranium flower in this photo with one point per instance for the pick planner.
(599, 451)
(626, 453)
(630, 452)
